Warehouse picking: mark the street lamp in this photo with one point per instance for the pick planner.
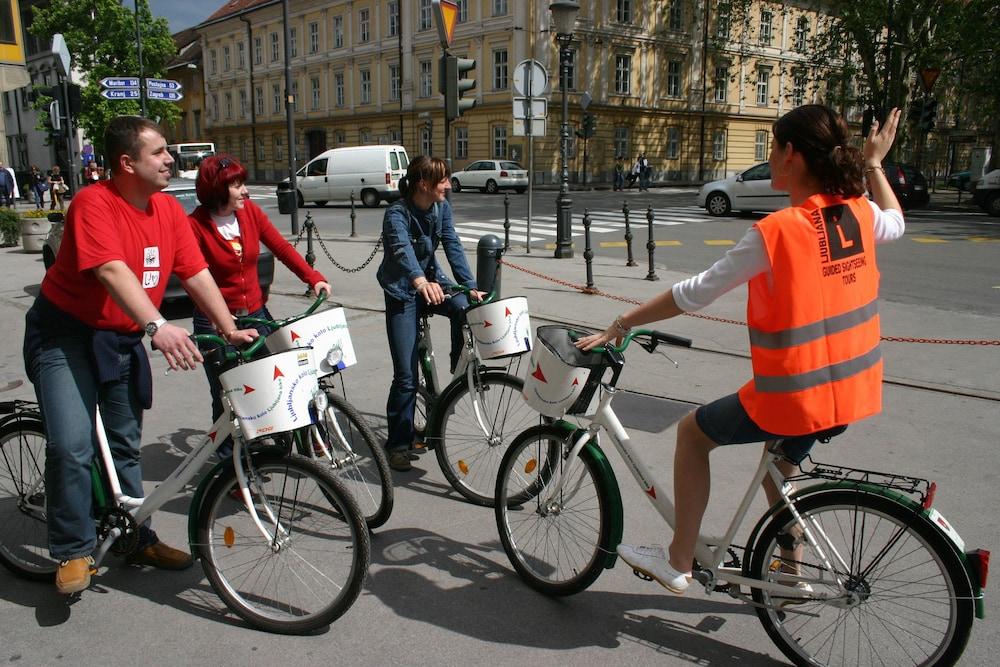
(564, 17)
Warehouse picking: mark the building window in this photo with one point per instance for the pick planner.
(624, 11)
(295, 94)
(461, 142)
(225, 59)
(394, 82)
(721, 83)
(425, 14)
(279, 148)
(798, 88)
(364, 25)
(674, 78)
(293, 41)
(260, 150)
(570, 70)
(274, 47)
(213, 62)
(229, 106)
(623, 74)
(241, 55)
(366, 86)
(801, 34)
(500, 69)
(258, 94)
(393, 8)
(426, 145)
(675, 18)
(315, 93)
(426, 79)
(275, 98)
(621, 142)
(313, 37)
(719, 145)
(365, 135)
(196, 122)
(244, 107)
(673, 143)
(499, 7)
(723, 20)
(763, 85)
(258, 51)
(339, 137)
(245, 150)
(463, 11)
(500, 141)
(766, 19)
(338, 88)
(760, 145)
(338, 31)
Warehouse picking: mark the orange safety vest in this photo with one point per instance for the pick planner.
(813, 320)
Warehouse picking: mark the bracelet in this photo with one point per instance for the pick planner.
(869, 170)
(618, 324)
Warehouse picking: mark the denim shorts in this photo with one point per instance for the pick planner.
(726, 422)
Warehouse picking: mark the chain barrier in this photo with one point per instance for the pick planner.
(636, 302)
(378, 244)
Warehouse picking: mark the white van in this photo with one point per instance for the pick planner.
(371, 172)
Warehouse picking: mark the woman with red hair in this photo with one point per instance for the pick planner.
(230, 228)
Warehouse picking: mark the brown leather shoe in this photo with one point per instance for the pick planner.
(73, 576)
(400, 460)
(161, 556)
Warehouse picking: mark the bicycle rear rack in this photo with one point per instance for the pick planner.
(810, 469)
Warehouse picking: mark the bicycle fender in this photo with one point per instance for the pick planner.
(593, 451)
(194, 508)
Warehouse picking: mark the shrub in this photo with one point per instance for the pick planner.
(10, 227)
(34, 213)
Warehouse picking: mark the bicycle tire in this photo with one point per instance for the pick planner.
(324, 564)
(562, 549)
(24, 538)
(366, 475)
(908, 578)
(469, 458)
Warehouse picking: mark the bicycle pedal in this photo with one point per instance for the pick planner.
(642, 575)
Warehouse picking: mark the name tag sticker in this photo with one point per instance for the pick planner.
(151, 257)
(150, 279)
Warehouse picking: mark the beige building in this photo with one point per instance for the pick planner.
(697, 99)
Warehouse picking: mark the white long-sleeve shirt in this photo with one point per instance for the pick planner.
(748, 258)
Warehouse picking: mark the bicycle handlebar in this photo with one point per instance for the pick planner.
(277, 324)
(650, 345)
(467, 291)
(244, 354)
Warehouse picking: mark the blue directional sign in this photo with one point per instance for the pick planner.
(120, 94)
(170, 95)
(119, 82)
(162, 84)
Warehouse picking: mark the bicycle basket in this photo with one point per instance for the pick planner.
(272, 394)
(326, 332)
(500, 328)
(562, 379)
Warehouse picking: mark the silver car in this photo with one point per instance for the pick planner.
(747, 191)
(491, 176)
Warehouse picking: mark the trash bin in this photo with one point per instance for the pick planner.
(489, 250)
(286, 201)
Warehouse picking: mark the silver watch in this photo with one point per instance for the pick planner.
(154, 326)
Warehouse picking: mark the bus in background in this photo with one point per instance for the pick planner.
(187, 157)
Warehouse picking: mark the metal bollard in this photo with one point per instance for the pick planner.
(309, 226)
(588, 253)
(354, 229)
(628, 234)
(650, 244)
(506, 221)
(489, 250)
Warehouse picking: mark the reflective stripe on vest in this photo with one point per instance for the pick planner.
(815, 378)
(776, 340)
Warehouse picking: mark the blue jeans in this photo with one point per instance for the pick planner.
(401, 318)
(68, 394)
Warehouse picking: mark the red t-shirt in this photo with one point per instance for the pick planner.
(102, 227)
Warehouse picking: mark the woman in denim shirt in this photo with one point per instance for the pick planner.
(412, 230)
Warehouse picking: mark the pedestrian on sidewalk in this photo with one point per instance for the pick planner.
(619, 173)
(57, 187)
(38, 184)
(412, 230)
(645, 172)
(811, 312)
(6, 186)
(633, 174)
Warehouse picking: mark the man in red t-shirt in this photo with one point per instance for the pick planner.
(83, 337)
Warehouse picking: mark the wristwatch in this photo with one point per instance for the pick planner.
(154, 326)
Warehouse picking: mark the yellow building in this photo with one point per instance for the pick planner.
(671, 78)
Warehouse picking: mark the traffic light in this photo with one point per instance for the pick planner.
(455, 86)
(589, 126)
(928, 114)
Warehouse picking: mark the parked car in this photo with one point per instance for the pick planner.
(747, 191)
(184, 191)
(987, 193)
(908, 183)
(961, 180)
(370, 172)
(491, 176)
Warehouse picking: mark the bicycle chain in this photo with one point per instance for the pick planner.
(636, 302)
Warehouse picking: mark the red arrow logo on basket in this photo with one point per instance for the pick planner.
(538, 374)
(576, 381)
(651, 491)
(487, 323)
(212, 435)
(295, 336)
(247, 389)
(506, 311)
(277, 373)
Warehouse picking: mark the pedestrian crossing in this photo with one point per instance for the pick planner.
(543, 227)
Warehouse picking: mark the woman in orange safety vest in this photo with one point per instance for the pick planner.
(812, 316)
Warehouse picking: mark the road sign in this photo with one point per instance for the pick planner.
(533, 107)
(446, 12)
(537, 127)
(928, 76)
(530, 79)
(120, 93)
(162, 84)
(585, 100)
(120, 82)
(169, 95)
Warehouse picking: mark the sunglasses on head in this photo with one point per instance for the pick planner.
(224, 163)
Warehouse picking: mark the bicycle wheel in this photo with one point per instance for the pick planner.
(560, 544)
(312, 572)
(359, 461)
(468, 452)
(911, 599)
(24, 537)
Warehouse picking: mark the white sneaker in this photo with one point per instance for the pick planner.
(803, 593)
(652, 562)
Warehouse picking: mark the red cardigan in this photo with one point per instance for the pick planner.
(237, 279)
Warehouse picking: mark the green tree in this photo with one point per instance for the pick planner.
(100, 35)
